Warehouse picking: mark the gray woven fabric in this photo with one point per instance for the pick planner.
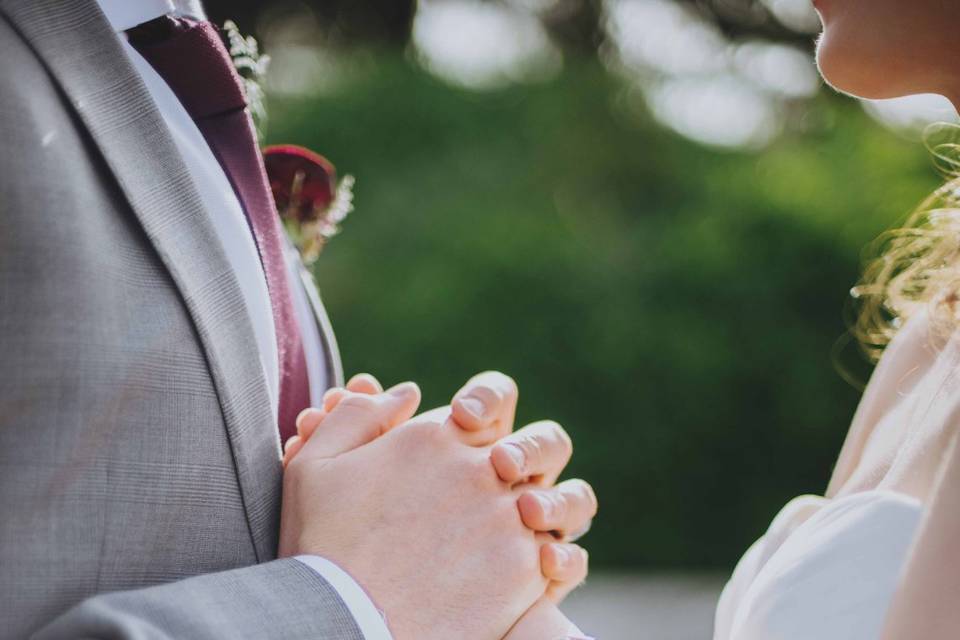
(137, 447)
(279, 599)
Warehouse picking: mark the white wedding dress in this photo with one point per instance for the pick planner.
(825, 570)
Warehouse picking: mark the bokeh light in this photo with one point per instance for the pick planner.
(697, 81)
(798, 15)
(482, 45)
(911, 114)
(780, 69)
(663, 36)
(723, 110)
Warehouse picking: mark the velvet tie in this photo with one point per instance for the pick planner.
(193, 60)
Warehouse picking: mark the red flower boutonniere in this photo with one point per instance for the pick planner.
(310, 201)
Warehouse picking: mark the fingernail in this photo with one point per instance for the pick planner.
(303, 414)
(473, 406)
(563, 555)
(516, 454)
(332, 390)
(402, 390)
(546, 504)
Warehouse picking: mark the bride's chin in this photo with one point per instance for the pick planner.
(854, 73)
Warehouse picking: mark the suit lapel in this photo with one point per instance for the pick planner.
(83, 55)
(332, 362)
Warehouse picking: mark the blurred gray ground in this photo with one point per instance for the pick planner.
(642, 606)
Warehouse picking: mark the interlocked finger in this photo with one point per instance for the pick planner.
(565, 565)
(565, 509)
(484, 409)
(360, 418)
(537, 453)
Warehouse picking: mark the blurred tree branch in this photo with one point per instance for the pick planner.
(575, 25)
(345, 23)
(747, 19)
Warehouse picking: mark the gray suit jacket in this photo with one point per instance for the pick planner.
(140, 472)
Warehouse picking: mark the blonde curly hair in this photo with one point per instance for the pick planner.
(916, 265)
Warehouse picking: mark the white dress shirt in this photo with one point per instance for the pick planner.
(221, 202)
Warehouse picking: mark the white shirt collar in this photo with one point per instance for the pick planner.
(126, 14)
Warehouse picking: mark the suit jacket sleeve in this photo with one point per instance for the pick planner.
(278, 599)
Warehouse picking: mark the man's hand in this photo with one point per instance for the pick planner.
(530, 459)
(418, 517)
(541, 621)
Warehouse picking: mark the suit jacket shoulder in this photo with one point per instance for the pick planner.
(137, 454)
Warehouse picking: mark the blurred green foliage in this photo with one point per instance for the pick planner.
(674, 307)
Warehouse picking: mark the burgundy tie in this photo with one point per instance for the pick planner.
(191, 57)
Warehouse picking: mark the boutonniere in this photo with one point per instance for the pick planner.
(251, 65)
(310, 200)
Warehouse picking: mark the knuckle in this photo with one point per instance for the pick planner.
(582, 492)
(366, 410)
(507, 384)
(503, 456)
(497, 383)
(432, 417)
(488, 395)
(481, 473)
(300, 469)
(507, 515)
(532, 447)
(590, 496)
(360, 403)
(583, 564)
(560, 437)
(526, 507)
(294, 470)
(421, 432)
(557, 511)
(574, 566)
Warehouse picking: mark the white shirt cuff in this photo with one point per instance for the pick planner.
(365, 613)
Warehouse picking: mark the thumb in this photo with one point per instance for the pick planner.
(360, 418)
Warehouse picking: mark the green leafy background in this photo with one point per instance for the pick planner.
(674, 307)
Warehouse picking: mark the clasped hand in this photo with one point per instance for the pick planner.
(451, 522)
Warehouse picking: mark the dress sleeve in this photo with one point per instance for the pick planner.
(833, 577)
(790, 517)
